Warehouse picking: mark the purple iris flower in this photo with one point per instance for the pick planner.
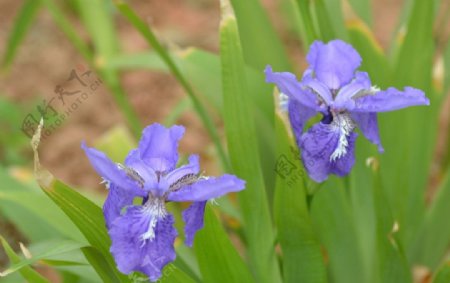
(143, 235)
(345, 97)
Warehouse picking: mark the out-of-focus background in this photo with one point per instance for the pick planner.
(46, 59)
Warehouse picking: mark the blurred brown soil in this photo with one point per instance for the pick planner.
(46, 58)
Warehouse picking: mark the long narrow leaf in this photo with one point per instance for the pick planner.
(243, 148)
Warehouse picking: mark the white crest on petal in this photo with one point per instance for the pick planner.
(156, 210)
(343, 123)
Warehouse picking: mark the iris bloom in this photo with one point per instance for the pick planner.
(345, 97)
(143, 235)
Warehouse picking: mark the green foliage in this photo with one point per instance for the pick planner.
(372, 226)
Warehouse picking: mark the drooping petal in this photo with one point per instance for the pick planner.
(158, 146)
(333, 63)
(317, 147)
(193, 219)
(116, 200)
(368, 124)
(343, 165)
(205, 189)
(287, 84)
(390, 99)
(110, 170)
(132, 253)
(298, 116)
(359, 85)
(183, 175)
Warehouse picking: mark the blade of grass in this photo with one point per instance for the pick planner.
(153, 41)
(302, 257)
(243, 149)
(21, 24)
(217, 257)
(307, 29)
(255, 30)
(27, 272)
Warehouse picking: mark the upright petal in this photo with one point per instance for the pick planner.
(360, 85)
(116, 200)
(298, 116)
(110, 170)
(193, 219)
(318, 145)
(158, 146)
(390, 99)
(287, 83)
(132, 253)
(333, 63)
(368, 124)
(205, 189)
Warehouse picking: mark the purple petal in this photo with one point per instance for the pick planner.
(368, 124)
(298, 116)
(190, 169)
(317, 87)
(131, 253)
(145, 171)
(360, 84)
(390, 99)
(158, 146)
(317, 145)
(193, 217)
(333, 63)
(287, 83)
(205, 189)
(342, 166)
(110, 171)
(116, 200)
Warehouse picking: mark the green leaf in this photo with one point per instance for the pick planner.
(333, 220)
(243, 149)
(443, 274)
(364, 10)
(307, 28)
(21, 24)
(302, 257)
(434, 237)
(88, 217)
(148, 34)
(323, 20)
(216, 255)
(27, 272)
(57, 248)
(255, 31)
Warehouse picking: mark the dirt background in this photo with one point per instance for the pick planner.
(46, 57)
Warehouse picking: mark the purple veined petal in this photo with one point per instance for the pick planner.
(205, 189)
(178, 177)
(110, 170)
(287, 84)
(193, 219)
(319, 88)
(359, 85)
(145, 171)
(298, 116)
(116, 200)
(317, 146)
(158, 146)
(131, 253)
(368, 124)
(390, 99)
(333, 63)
